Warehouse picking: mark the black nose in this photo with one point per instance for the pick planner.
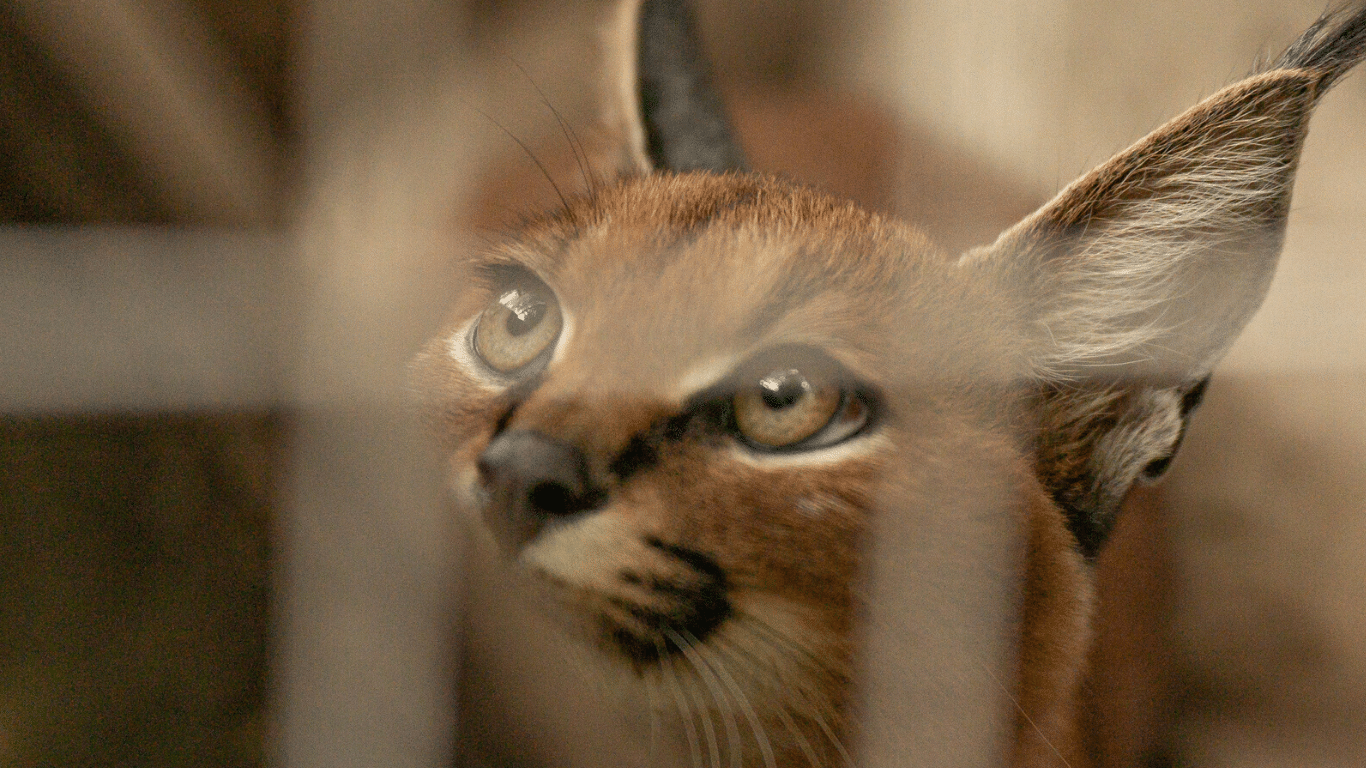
(532, 478)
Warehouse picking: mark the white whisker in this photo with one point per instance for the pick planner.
(760, 735)
(818, 709)
(692, 649)
(684, 711)
(654, 721)
(1022, 711)
(713, 746)
(714, 663)
(753, 622)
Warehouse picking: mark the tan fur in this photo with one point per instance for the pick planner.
(610, 387)
(1055, 636)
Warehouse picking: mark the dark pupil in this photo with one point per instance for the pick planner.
(524, 315)
(782, 388)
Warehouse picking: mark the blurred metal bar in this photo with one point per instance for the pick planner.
(364, 663)
(132, 319)
(938, 658)
(158, 79)
(364, 625)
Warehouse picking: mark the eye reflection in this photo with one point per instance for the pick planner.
(525, 311)
(783, 388)
(784, 408)
(517, 328)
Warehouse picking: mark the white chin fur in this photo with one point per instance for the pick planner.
(584, 551)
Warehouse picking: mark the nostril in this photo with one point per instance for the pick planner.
(531, 478)
(487, 470)
(553, 499)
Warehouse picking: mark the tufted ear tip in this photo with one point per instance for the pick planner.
(1330, 48)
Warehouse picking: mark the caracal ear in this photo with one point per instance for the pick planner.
(661, 101)
(1139, 275)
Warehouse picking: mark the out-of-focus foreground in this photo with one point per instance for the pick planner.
(207, 425)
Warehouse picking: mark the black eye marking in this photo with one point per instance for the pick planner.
(642, 451)
(710, 415)
(503, 420)
(638, 455)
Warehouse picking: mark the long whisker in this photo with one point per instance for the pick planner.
(654, 721)
(684, 711)
(753, 622)
(1021, 710)
(716, 662)
(789, 649)
(575, 146)
(693, 649)
(544, 171)
(703, 711)
(796, 732)
(818, 709)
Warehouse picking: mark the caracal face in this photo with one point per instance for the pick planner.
(731, 370)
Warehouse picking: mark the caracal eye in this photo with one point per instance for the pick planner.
(517, 328)
(785, 408)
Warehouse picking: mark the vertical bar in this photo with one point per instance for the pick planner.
(364, 653)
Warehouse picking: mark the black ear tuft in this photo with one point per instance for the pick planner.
(1332, 46)
(685, 124)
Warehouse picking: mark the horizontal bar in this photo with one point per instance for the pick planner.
(140, 319)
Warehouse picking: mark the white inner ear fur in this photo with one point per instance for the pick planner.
(1180, 250)
(1155, 288)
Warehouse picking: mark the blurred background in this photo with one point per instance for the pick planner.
(227, 225)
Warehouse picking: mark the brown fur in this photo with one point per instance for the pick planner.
(1055, 635)
(816, 268)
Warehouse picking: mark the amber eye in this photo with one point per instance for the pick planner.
(785, 408)
(517, 328)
